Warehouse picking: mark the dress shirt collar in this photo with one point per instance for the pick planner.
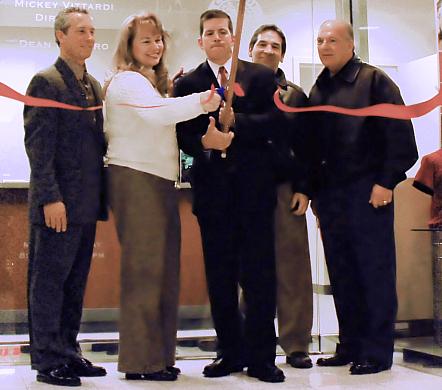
(215, 67)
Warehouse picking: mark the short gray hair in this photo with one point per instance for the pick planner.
(62, 21)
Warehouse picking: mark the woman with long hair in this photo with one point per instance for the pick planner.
(143, 165)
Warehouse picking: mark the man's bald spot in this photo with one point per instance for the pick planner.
(340, 24)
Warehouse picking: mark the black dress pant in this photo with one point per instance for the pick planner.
(238, 243)
(360, 254)
(59, 264)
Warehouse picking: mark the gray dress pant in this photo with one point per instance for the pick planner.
(59, 265)
(148, 226)
(294, 278)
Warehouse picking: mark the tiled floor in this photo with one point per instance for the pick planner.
(403, 376)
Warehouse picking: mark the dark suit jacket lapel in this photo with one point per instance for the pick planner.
(211, 78)
(98, 113)
(71, 82)
(97, 91)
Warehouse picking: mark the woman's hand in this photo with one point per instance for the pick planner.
(210, 101)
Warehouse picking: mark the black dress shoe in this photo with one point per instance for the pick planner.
(133, 377)
(83, 367)
(367, 367)
(299, 360)
(173, 370)
(266, 373)
(336, 360)
(60, 376)
(162, 376)
(222, 367)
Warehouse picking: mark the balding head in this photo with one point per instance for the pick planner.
(339, 25)
(335, 44)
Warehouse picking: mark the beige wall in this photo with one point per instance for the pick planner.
(413, 250)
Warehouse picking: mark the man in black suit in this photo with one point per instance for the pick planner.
(234, 200)
(66, 197)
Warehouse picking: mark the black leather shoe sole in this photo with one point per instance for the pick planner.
(271, 374)
(162, 376)
(91, 373)
(370, 368)
(217, 372)
(334, 361)
(51, 380)
(133, 377)
(276, 376)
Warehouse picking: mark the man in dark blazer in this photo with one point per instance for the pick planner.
(293, 271)
(66, 197)
(234, 200)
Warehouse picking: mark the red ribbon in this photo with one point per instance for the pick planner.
(387, 110)
(8, 92)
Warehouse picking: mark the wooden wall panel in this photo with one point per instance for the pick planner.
(103, 289)
(413, 251)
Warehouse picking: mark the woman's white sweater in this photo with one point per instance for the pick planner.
(144, 138)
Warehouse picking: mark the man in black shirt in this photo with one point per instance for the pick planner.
(357, 162)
